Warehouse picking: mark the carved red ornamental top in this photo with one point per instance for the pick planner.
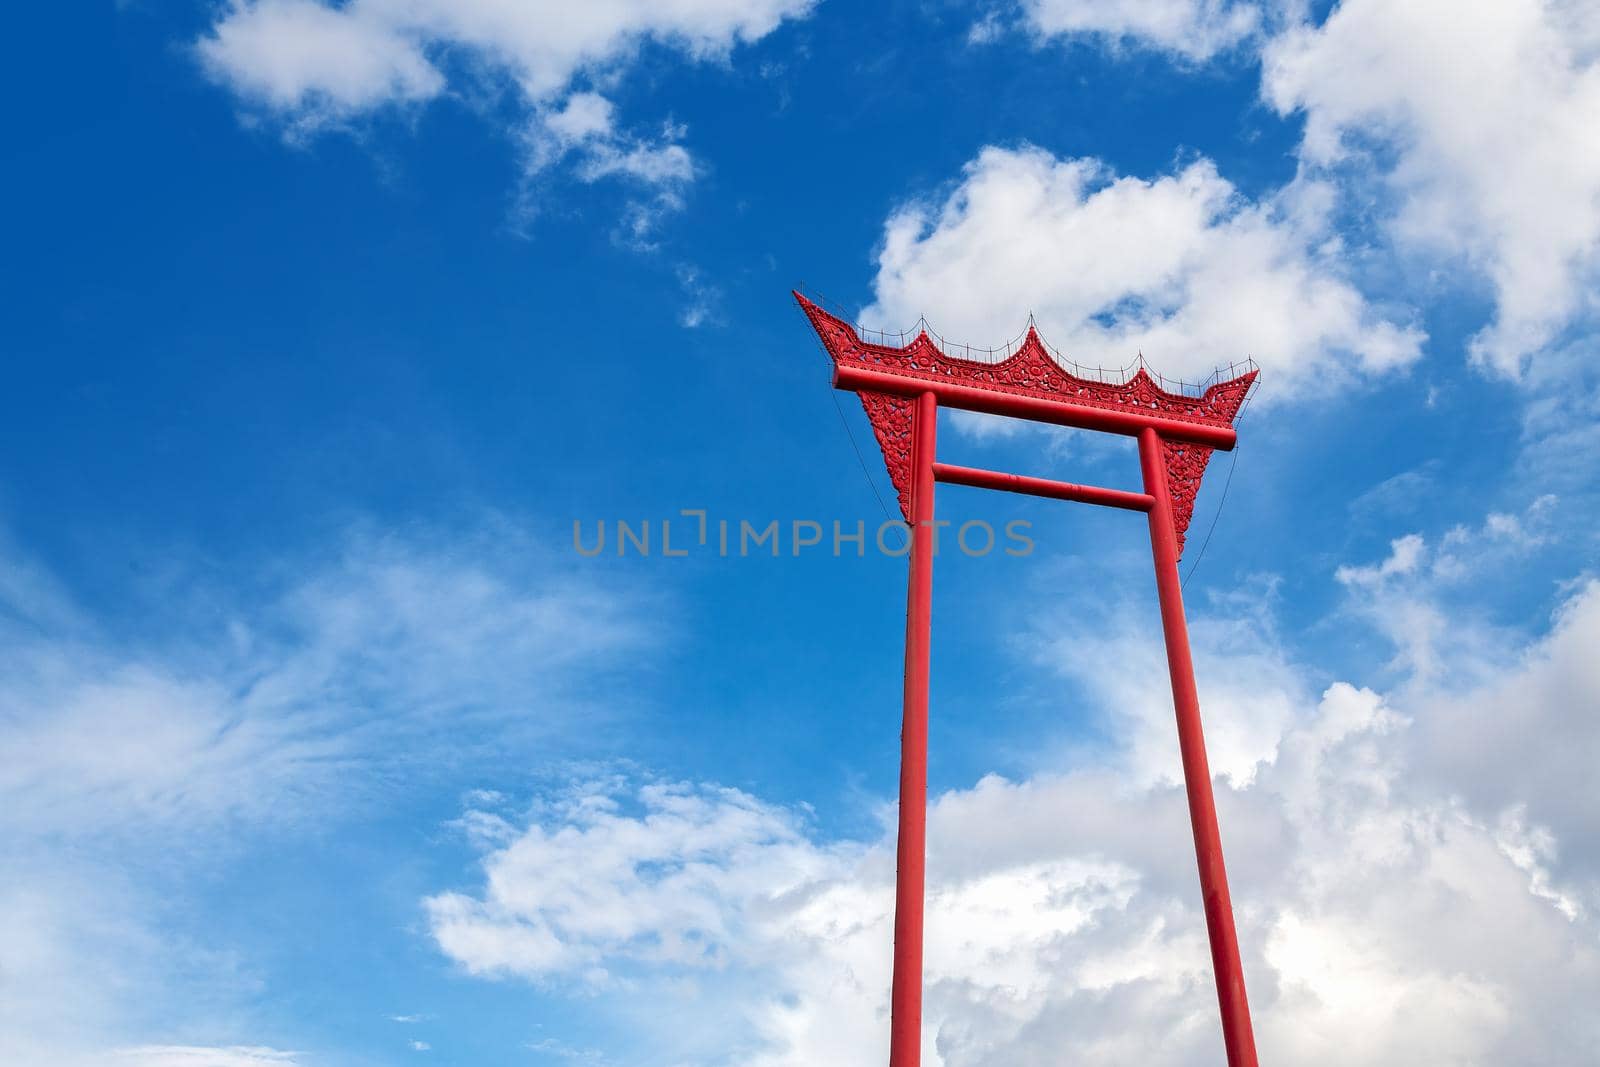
(1029, 384)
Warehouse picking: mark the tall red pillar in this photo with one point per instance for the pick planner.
(1236, 1033)
(905, 997)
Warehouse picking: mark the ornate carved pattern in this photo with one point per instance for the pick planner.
(1186, 465)
(891, 418)
(1031, 372)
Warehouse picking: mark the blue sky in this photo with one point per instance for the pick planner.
(320, 745)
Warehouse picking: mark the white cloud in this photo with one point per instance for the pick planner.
(190, 1056)
(585, 127)
(549, 1046)
(702, 296)
(389, 639)
(986, 30)
(286, 52)
(1382, 917)
(1463, 128)
(315, 64)
(1252, 692)
(609, 884)
(68, 950)
(1189, 29)
(1522, 746)
(1464, 549)
(1478, 119)
(1405, 556)
(585, 116)
(318, 62)
(1180, 267)
(1402, 594)
(391, 655)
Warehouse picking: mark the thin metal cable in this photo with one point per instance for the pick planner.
(857, 450)
(1224, 499)
(850, 434)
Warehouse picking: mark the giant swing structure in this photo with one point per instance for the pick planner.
(902, 389)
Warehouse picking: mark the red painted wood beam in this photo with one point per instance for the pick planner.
(911, 843)
(1238, 1039)
(1129, 422)
(1019, 483)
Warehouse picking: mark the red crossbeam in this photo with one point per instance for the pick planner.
(1019, 483)
(1130, 421)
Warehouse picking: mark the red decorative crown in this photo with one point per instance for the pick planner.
(1029, 382)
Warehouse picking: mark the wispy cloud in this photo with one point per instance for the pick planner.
(389, 661)
(387, 639)
(191, 1056)
(1189, 30)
